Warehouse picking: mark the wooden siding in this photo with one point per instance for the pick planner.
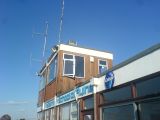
(63, 84)
(50, 91)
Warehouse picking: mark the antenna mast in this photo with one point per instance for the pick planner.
(45, 38)
(61, 22)
(45, 34)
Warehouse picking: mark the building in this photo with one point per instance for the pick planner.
(135, 94)
(66, 71)
(127, 91)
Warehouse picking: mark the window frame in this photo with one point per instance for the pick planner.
(74, 65)
(55, 60)
(72, 112)
(83, 66)
(102, 65)
(64, 60)
(88, 98)
(43, 80)
(135, 107)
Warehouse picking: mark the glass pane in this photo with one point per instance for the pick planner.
(125, 112)
(68, 67)
(151, 86)
(73, 106)
(74, 111)
(102, 69)
(68, 56)
(47, 114)
(42, 84)
(52, 114)
(88, 117)
(79, 66)
(88, 103)
(118, 94)
(101, 62)
(53, 70)
(150, 110)
(65, 112)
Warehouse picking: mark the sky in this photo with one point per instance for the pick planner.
(123, 27)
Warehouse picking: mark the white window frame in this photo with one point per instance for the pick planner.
(102, 65)
(74, 66)
(73, 60)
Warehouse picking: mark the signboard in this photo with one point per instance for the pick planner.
(78, 92)
(109, 80)
(50, 103)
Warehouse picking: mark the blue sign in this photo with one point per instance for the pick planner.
(109, 80)
(79, 92)
(70, 96)
(49, 104)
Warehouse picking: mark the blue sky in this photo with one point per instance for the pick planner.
(123, 27)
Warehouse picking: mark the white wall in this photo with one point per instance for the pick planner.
(141, 67)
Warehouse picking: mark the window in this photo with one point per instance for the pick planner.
(42, 81)
(41, 84)
(47, 114)
(69, 111)
(73, 65)
(125, 112)
(40, 116)
(79, 68)
(88, 117)
(102, 66)
(68, 65)
(150, 110)
(148, 87)
(117, 94)
(53, 70)
(74, 111)
(89, 103)
(52, 114)
(65, 112)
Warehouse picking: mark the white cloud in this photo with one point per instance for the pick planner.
(15, 102)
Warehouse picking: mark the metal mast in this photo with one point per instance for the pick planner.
(61, 23)
(45, 38)
(45, 34)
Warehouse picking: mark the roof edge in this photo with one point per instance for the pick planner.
(134, 58)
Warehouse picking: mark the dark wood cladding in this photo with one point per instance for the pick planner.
(50, 90)
(66, 83)
(63, 84)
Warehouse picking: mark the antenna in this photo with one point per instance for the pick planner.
(45, 38)
(33, 59)
(61, 23)
(45, 34)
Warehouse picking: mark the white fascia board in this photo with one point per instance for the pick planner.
(141, 67)
(85, 51)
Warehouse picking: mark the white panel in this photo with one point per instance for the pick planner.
(139, 68)
(144, 66)
(99, 83)
(91, 59)
(86, 51)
